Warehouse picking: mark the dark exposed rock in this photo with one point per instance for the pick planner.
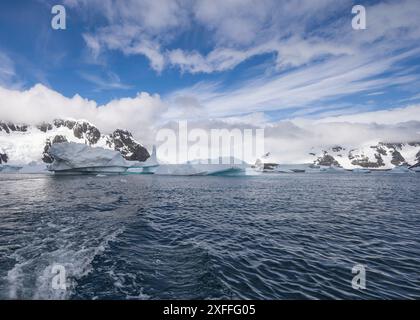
(64, 123)
(327, 160)
(381, 151)
(270, 166)
(312, 154)
(3, 158)
(4, 127)
(414, 144)
(122, 141)
(365, 162)
(86, 130)
(10, 127)
(397, 158)
(22, 128)
(392, 145)
(44, 127)
(46, 157)
(337, 148)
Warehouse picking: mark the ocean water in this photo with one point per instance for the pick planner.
(286, 236)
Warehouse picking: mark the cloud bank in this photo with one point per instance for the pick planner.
(41, 104)
(289, 141)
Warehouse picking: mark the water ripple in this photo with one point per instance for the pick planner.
(271, 237)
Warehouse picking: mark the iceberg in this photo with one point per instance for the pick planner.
(324, 169)
(34, 167)
(361, 170)
(291, 168)
(77, 158)
(189, 169)
(401, 169)
(209, 167)
(146, 167)
(9, 169)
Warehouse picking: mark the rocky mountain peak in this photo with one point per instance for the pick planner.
(327, 160)
(383, 155)
(123, 141)
(11, 127)
(84, 130)
(3, 158)
(46, 157)
(64, 130)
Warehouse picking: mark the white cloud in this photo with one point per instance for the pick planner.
(288, 141)
(290, 53)
(317, 58)
(291, 141)
(387, 117)
(318, 83)
(237, 30)
(109, 82)
(39, 103)
(7, 71)
(296, 31)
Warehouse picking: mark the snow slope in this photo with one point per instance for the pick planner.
(373, 155)
(23, 144)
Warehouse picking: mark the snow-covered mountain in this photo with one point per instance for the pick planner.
(21, 144)
(370, 155)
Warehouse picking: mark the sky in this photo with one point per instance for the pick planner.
(140, 64)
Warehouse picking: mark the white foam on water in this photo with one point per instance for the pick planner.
(33, 278)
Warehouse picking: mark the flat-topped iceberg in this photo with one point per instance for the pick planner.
(70, 157)
(361, 170)
(401, 169)
(188, 169)
(220, 166)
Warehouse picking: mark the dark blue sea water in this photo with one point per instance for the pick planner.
(267, 237)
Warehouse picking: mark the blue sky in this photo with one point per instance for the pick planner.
(218, 59)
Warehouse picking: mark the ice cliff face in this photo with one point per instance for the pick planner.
(23, 144)
(372, 156)
(77, 157)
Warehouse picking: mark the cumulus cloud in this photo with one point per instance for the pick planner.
(288, 141)
(315, 56)
(138, 114)
(292, 141)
